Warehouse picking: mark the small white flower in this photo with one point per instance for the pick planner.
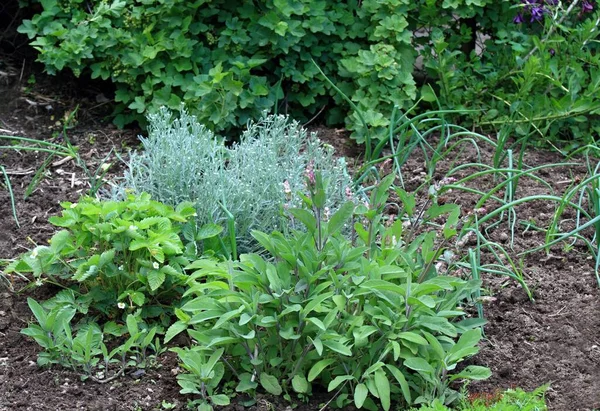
(39, 282)
(155, 265)
(121, 267)
(34, 253)
(73, 205)
(133, 227)
(121, 305)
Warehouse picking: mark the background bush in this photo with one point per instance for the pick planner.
(530, 64)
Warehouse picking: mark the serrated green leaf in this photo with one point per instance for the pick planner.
(156, 278)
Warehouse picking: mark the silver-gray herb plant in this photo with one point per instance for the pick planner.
(184, 161)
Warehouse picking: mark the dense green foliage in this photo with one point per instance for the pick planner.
(372, 320)
(532, 65)
(123, 255)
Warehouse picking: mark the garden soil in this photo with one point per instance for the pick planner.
(554, 340)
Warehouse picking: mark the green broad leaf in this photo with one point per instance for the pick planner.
(305, 217)
(438, 324)
(316, 301)
(60, 240)
(132, 325)
(294, 308)
(300, 384)
(317, 322)
(213, 359)
(249, 336)
(419, 364)
(435, 345)
(270, 384)
(339, 218)
(469, 323)
(333, 384)
(472, 372)
(316, 369)
(317, 344)
(246, 383)
(274, 280)
(204, 406)
(408, 201)
(219, 399)
(383, 388)
(360, 395)
(402, 381)
(215, 341)
(361, 334)
(412, 337)
(38, 311)
(88, 269)
(427, 94)
(339, 301)
(228, 316)
(468, 339)
(112, 328)
(338, 347)
(460, 355)
(182, 315)
(288, 334)
(156, 278)
(174, 330)
(245, 318)
(208, 231)
(372, 369)
(106, 257)
(169, 270)
(138, 298)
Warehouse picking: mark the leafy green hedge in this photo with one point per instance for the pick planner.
(230, 61)
(536, 68)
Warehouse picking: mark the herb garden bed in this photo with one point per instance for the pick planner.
(555, 340)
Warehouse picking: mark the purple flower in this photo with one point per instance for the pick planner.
(537, 13)
(587, 7)
(552, 52)
(518, 19)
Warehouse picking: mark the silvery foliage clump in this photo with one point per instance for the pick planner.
(184, 161)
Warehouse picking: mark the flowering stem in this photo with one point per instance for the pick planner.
(551, 30)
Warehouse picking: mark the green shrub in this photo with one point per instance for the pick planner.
(536, 73)
(183, 161)
(371, 321)
(229, 62)
(122, 255)
(232, 61)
